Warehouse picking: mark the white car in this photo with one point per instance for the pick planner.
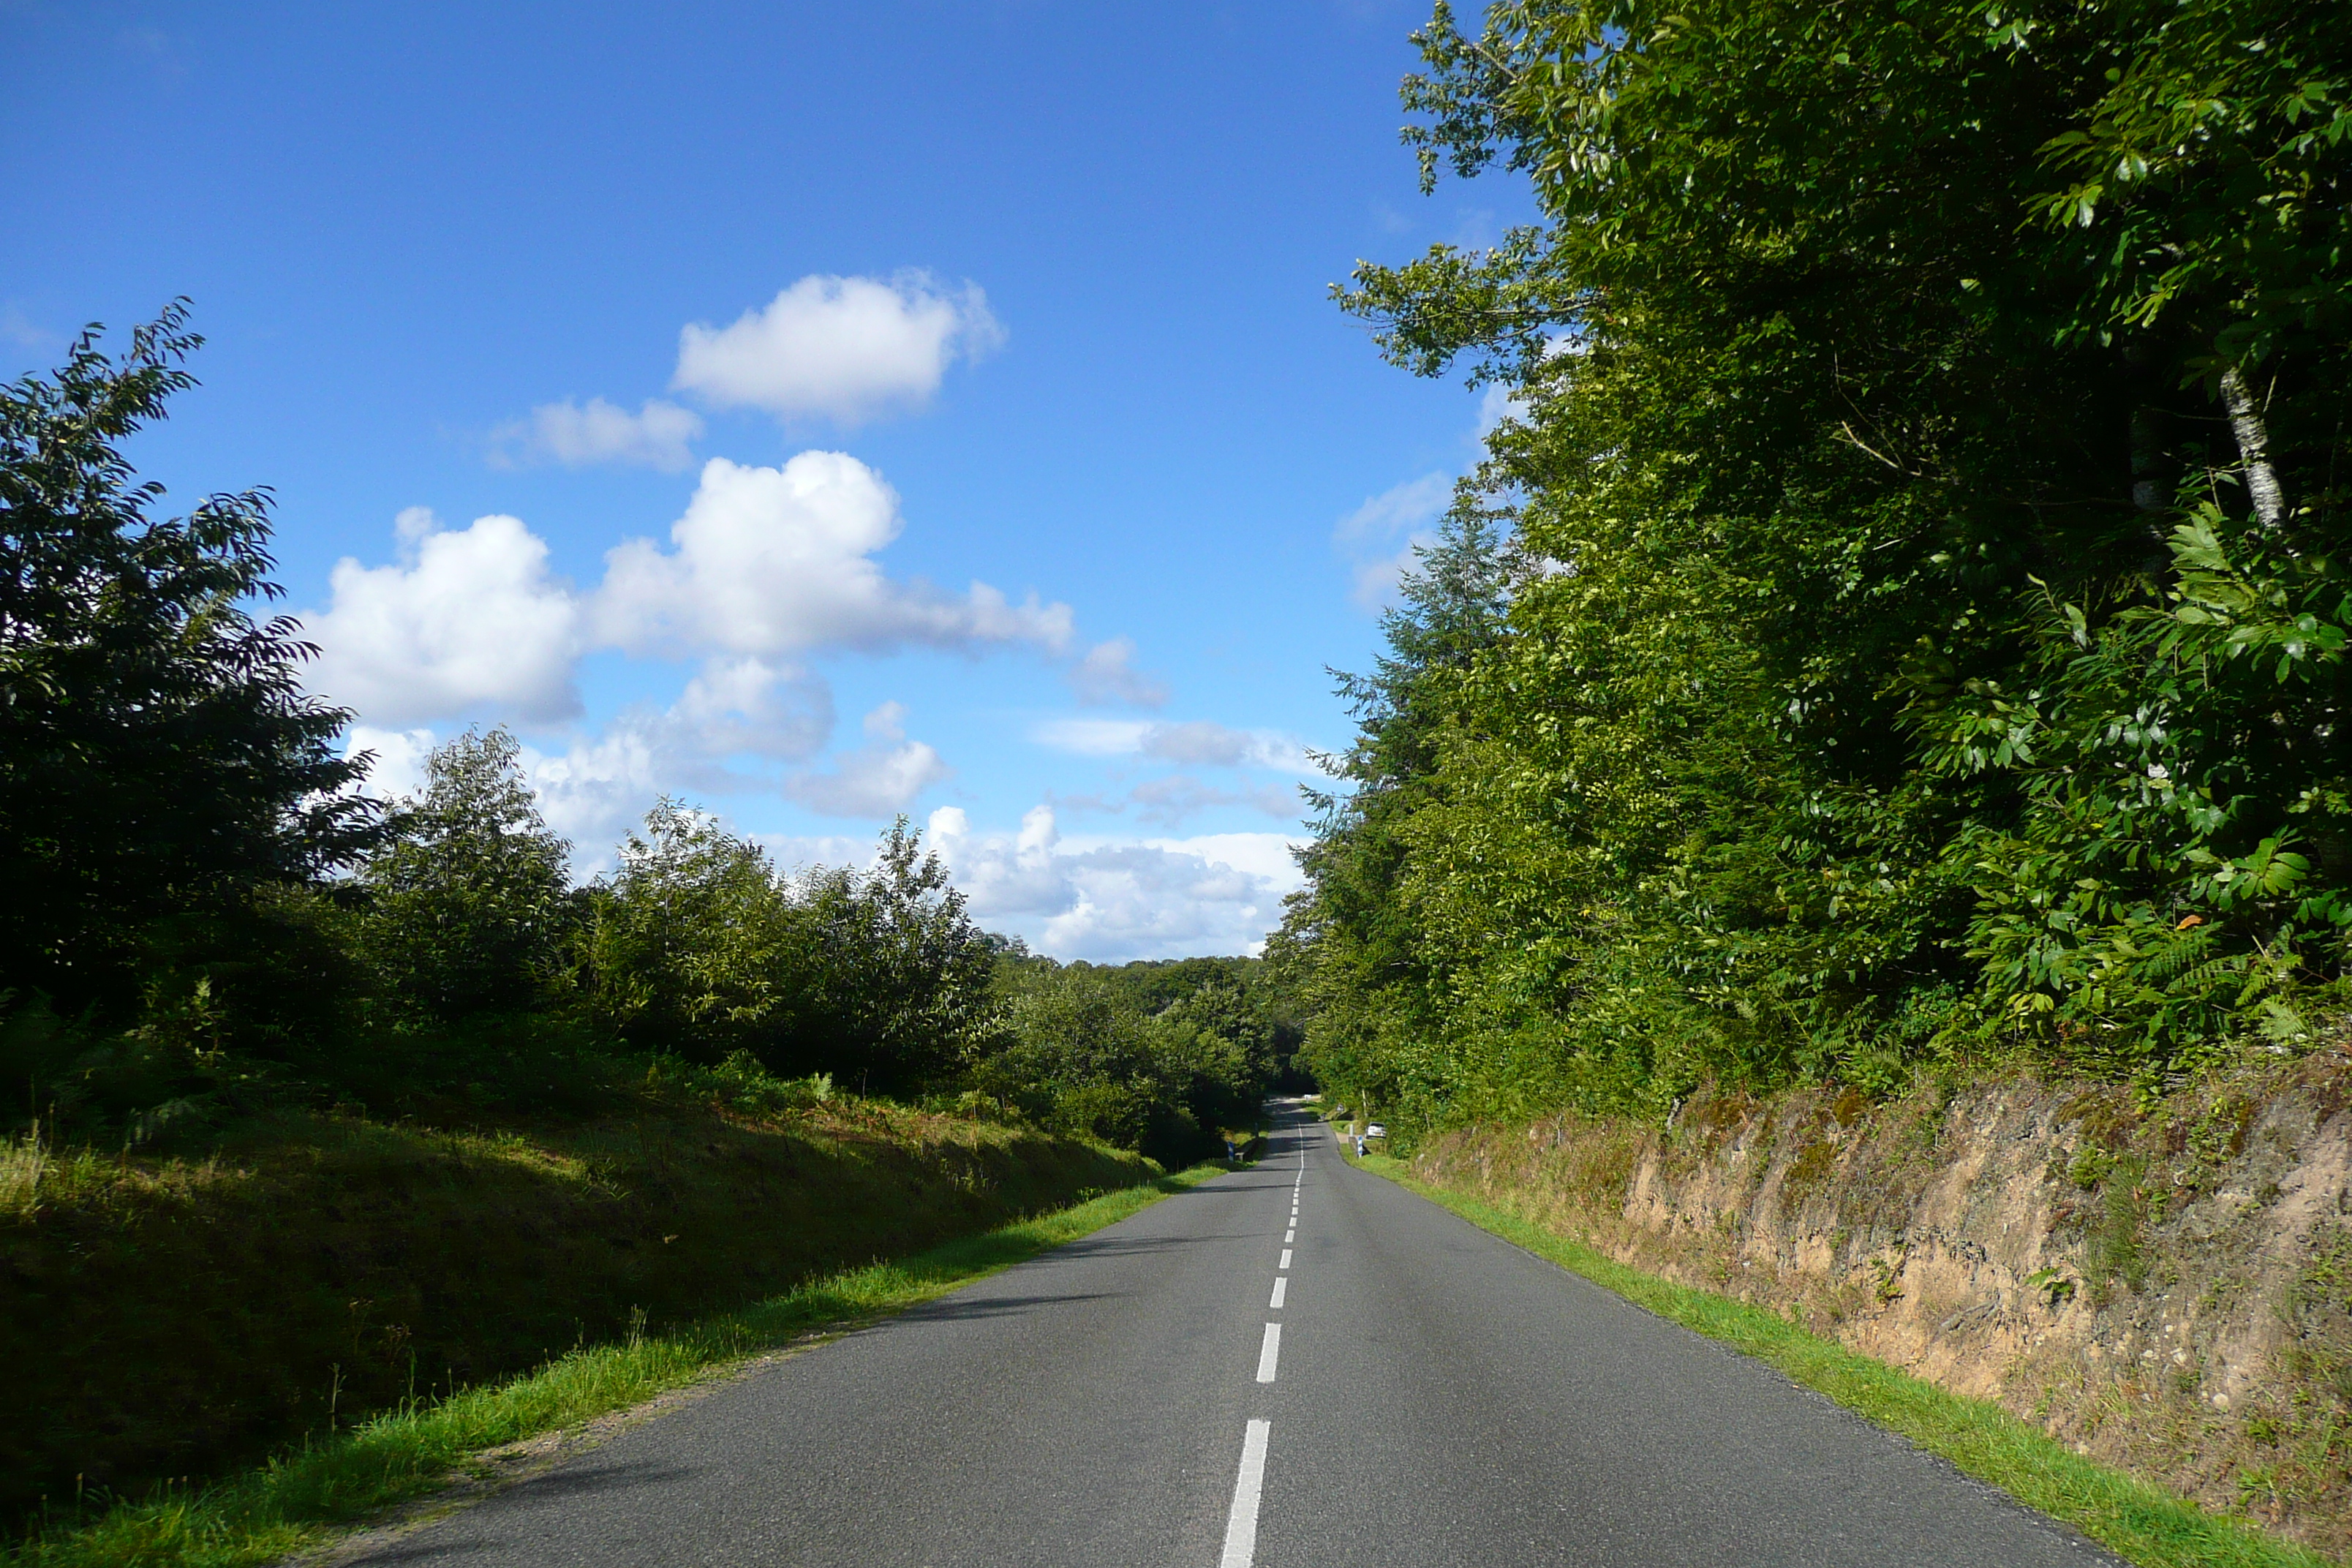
(1376, 1130)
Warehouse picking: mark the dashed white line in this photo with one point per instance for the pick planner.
(1268, 1351)
(1281, 1283)
(1240, 1524)
(1286, 1259)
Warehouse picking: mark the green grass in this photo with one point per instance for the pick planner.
(306, 1497)
(2137, 1520)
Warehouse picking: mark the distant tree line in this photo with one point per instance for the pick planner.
(204, 918)
(1904, 617)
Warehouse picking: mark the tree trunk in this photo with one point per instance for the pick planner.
(2254, 447)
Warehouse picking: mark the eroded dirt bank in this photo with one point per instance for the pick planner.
(2165, 1286)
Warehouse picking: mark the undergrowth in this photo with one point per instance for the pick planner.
(183, 1314)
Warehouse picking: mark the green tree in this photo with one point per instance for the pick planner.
(692, 947)
(1929, 627)
(158, 755)
(1361, 959)
(898, 974)
(1073, 1051)
(470, 907)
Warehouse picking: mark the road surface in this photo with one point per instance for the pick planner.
(1299, 1363)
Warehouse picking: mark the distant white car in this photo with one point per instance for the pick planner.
(1376, 1130)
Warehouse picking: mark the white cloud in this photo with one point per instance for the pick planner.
(1100, 898)
(1196, 742)
(1172, 800)
(1498, 403)
(1200, 741)
(1008, 876)
(1107, 674)
(603, 781)
(847, 349)
(468, 618)
(1092, 737)
(753, 707)
(602, 785)
(733, 707)
(767, 563)
(881, 778)
(398, 768)
(777, 560)
(1368, 535)
(590, 794)
(1412, 505)
(659, 436)
(805, 852)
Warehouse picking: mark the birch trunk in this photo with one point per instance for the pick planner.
(2254, 447)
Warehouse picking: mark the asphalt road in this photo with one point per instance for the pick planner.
(1214, 1384)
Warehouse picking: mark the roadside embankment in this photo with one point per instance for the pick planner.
(2163, 1287)
(179, 1317)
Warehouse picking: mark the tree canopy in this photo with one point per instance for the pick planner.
(1910, 601)
(158, 753)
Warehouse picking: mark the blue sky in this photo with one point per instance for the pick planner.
(819, 412)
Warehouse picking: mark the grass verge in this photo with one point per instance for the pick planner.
(303, 1499)
(2140, 1521)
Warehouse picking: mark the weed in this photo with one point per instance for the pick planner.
(2114, 1247)
(2051, 1285)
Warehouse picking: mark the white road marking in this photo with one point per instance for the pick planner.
(1240, 1524)
(1289, 1236)
(1286, 1259)
(1269, 1352)
(1281, 1283)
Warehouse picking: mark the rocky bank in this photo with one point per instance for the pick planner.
(2164, 1285)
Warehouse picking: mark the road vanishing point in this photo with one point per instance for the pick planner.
(1296, 1364)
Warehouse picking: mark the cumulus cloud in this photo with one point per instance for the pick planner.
(881, 778)
(754, 707)
(1115, 900)
(659, 436)
(467, 618)
(1107, 674)
(602, 782)
(766, 564)
(807, 851)
(397, 767)
(778, 561)
(733, 711)
(1008, 876)
(846, 349)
